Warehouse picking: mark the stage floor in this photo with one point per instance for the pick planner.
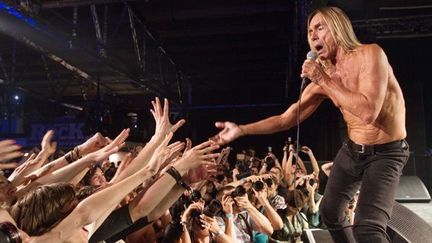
(423, 210)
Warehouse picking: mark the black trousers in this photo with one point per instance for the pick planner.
(375, 169)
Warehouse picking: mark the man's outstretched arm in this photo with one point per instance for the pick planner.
(310, 101)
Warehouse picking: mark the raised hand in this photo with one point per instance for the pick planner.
(227, 204)
(261, 195)
(230, 131)
(160, 155)
(161, 116)
(309, 188)
(306, 150)
(28, 166)
(9, 150)
(202, 172)
(223, 155)
(46, 144)
(198, 155)
(243, 202)
(94, 143)
(209, 223)
(188, 145)
(111, 148)
(23, 173)
(175, 149)
(291, 148)
(187, 213)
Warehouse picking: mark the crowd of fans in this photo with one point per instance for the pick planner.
(162, 192)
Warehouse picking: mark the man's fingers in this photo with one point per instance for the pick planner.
(220, 125)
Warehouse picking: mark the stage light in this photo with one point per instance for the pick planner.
(16, 97)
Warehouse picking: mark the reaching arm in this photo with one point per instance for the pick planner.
(94, 143)
(70, 171)
(288, 164)
(313, 160)
(301, 164)
(286, 120)
(163, 127)
(227, 207)
(327, 168)
(284, 158)
(166, 203)
(309, 103)
(197, 156)
(260, 222)
(312, 206)
(97, 205)
(269, 211)
(91, 208)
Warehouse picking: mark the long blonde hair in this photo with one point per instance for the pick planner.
(339, 25)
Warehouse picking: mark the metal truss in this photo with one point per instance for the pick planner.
(397, 27)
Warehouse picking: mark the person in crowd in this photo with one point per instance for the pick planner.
(242, 214)
(294, 173)
(293, 221)
(268, 202)
(199, 227)
(359, 80)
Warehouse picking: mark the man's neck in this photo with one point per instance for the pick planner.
(339, 57)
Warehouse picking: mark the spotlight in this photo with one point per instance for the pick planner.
(16, 97)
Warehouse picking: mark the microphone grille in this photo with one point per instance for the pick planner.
(311, 55)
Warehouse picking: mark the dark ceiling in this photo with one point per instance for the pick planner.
(197, 53)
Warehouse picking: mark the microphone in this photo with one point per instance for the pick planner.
(311, 55)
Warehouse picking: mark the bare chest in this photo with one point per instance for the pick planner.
(346, 74)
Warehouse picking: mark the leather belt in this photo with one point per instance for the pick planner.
(371, 149)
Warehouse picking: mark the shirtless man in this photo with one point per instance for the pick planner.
(360, 82)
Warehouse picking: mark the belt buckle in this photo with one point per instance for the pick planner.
(362, 149)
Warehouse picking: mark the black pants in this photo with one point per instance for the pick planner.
(377, 170)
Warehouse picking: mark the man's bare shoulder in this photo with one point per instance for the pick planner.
(370, 50)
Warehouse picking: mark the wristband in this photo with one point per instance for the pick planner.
(229, 215)
(177, 177)
(68, 157)
(72, 155)
(76, 151)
